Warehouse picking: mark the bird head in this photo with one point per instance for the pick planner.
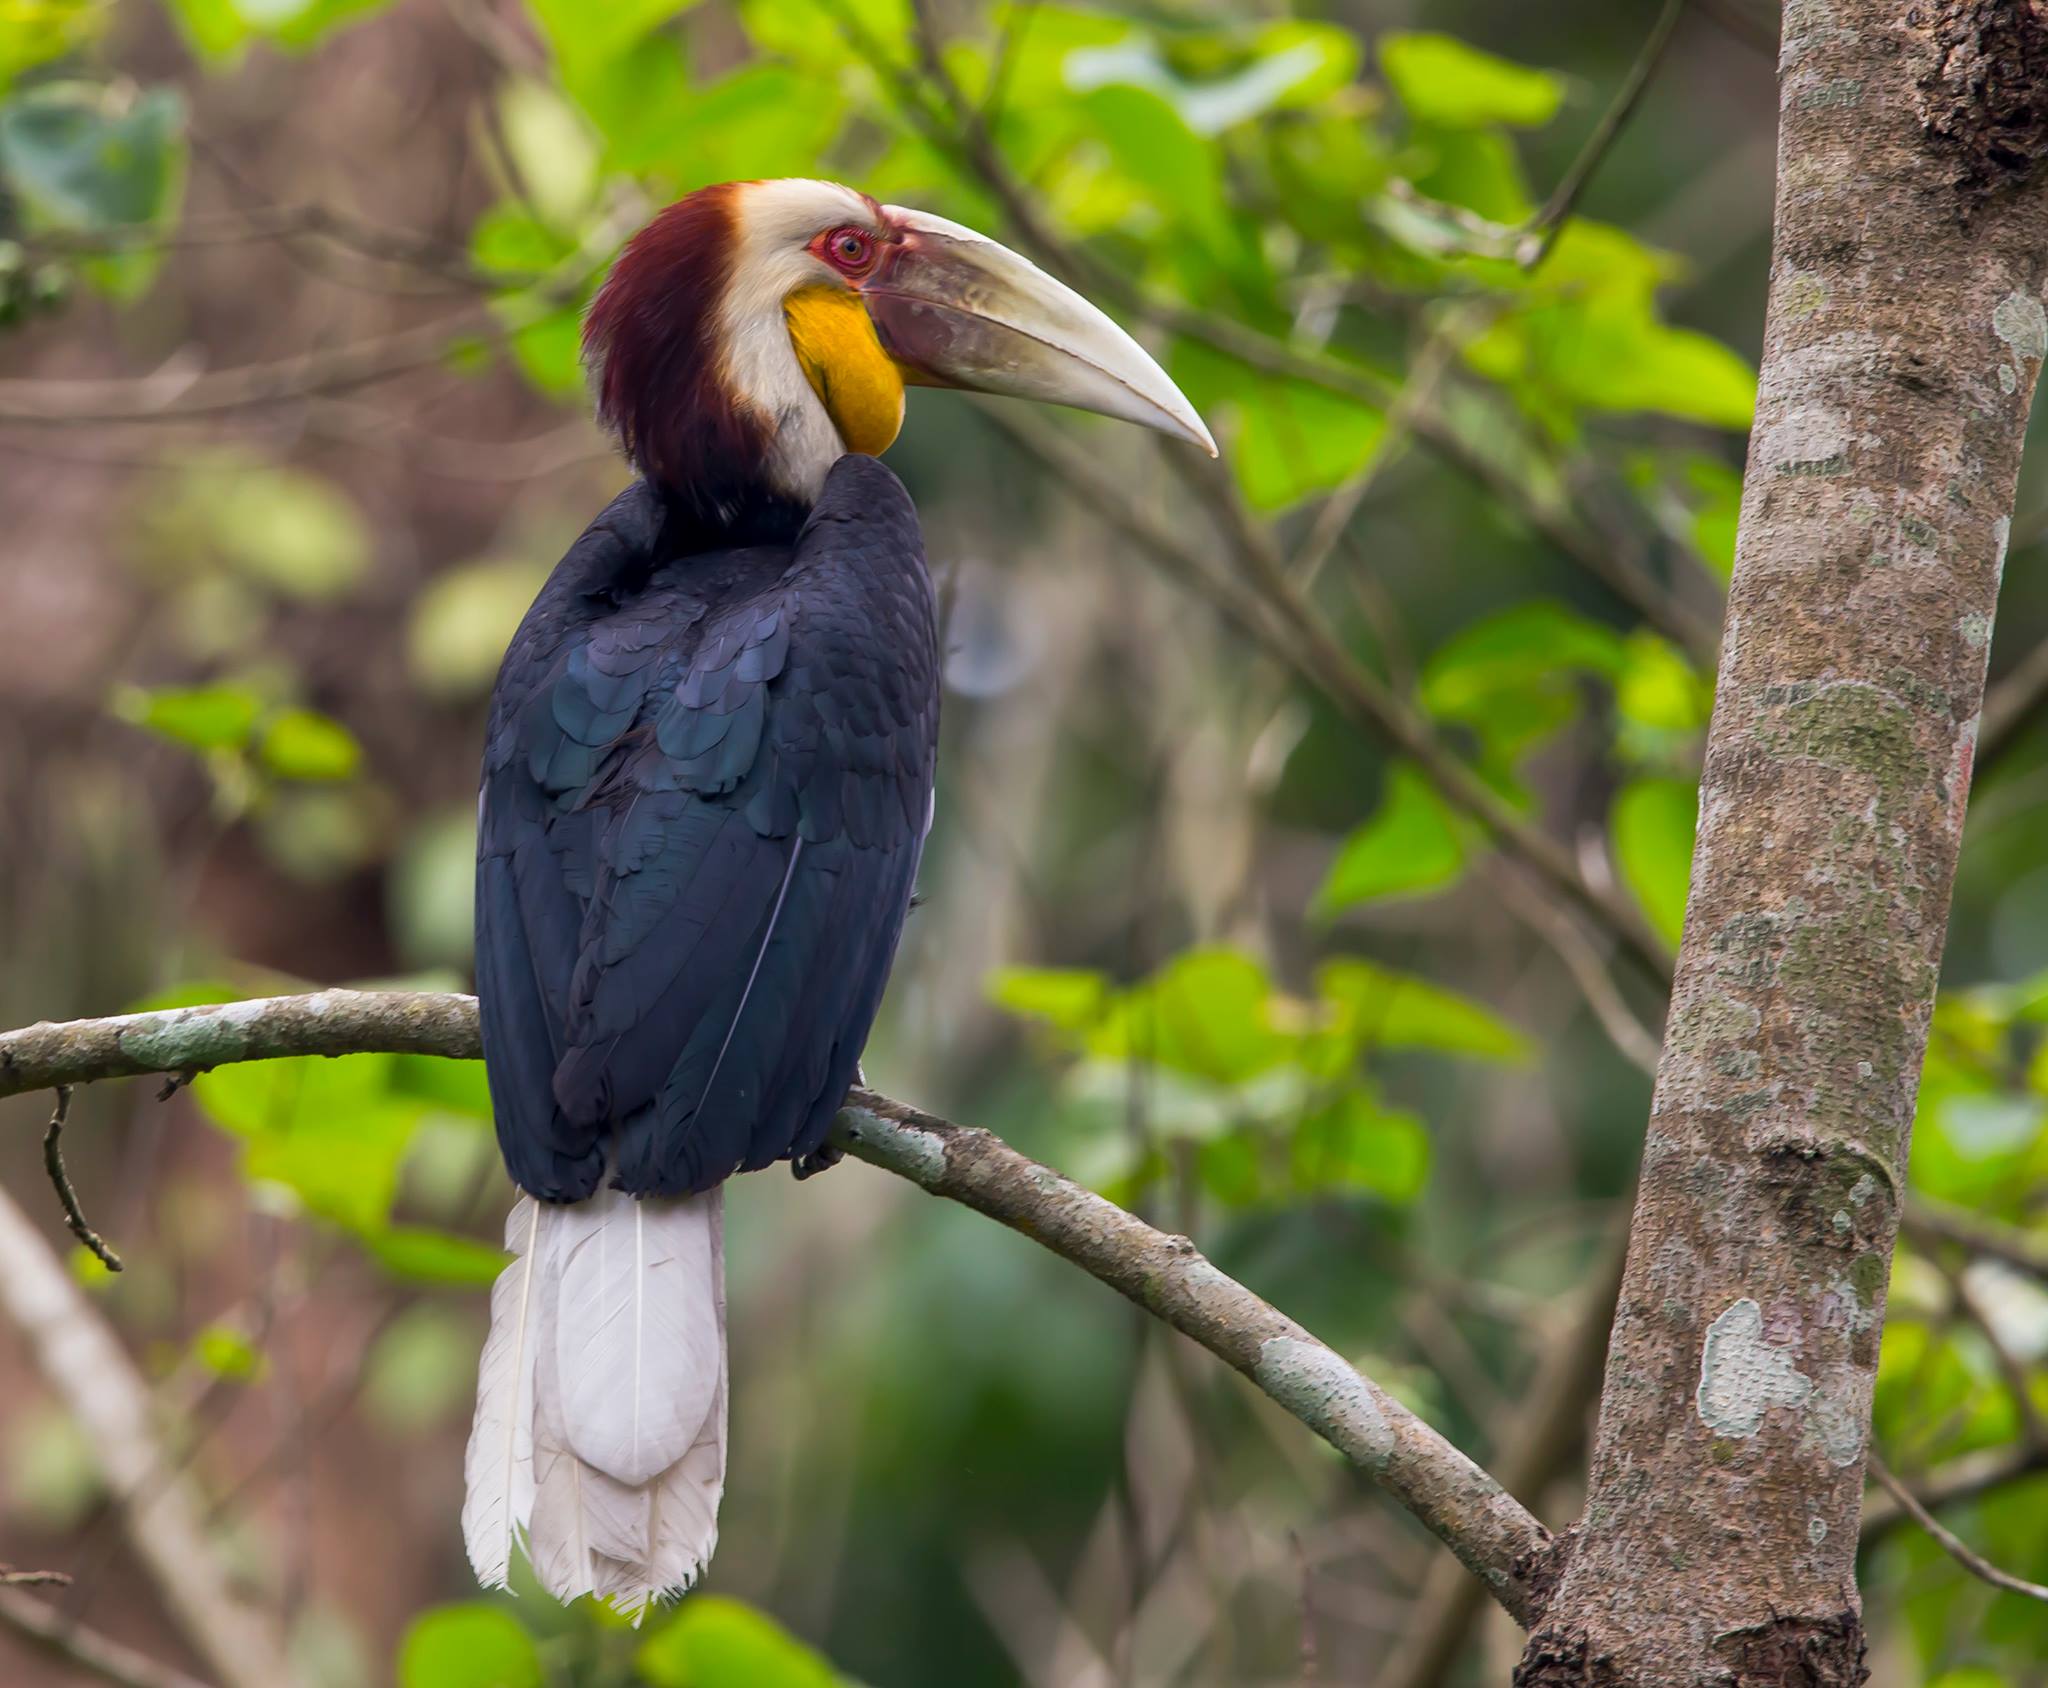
(754, 332)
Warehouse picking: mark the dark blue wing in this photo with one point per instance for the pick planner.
(705, 796)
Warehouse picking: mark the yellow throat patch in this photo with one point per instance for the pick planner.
(855, 380)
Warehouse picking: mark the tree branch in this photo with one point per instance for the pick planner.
(1542, 231)
(92, 1374)
(44, 1625)
(1495, 1536)
(1974, 1234)
(1951, 1543)
(1963, 1478)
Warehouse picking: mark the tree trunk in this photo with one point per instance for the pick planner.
(1904, 336)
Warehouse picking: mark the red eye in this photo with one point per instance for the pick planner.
(850, 251)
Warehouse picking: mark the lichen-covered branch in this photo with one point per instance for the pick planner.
(1478, 1520)
(1904, 337)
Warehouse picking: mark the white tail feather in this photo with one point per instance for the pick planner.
(498, 1468)
(600, 1430)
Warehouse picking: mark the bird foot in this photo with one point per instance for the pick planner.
(821, 1159)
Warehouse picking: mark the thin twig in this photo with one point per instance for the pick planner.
(1558, 927)
(1489, 1531)
(1963, 1478)
(109, 1660)
(60, 1180)
(2023, 1251)
(2010, 1366)
(339, 369)
(1542, 233)
(1954, 1545)
(11, 1578)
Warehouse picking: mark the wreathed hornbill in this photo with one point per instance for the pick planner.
(707, 780)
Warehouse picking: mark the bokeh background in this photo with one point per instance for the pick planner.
(291, 430)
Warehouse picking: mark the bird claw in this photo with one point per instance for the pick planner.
(821, 1159)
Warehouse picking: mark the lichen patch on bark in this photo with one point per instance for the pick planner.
(1743, 1374)
(1320, 1389)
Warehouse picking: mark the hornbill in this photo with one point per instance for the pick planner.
(707, 781)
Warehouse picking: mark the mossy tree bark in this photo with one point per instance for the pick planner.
(1904, 336)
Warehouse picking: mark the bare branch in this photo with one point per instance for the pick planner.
(67, 1197)
(109, 1660)
(1543, 229)
(1974, 1234)
(1960, 1479)
(92, 1374)
(1491, 1532)
(71, 404)
(1952, 1544)
(11, 1578)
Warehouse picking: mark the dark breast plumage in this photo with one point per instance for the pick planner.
(706, 785)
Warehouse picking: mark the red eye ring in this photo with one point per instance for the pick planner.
(850, 251)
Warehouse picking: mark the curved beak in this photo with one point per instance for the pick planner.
(954, 309)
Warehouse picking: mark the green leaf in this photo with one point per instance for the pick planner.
(223, 29)
(74, 156)
(329, 1132)
(1474, 168)
(1658, 688)
(83, 157)
(1652, 828)
(1389, 1010)
(302, 744)
(291, 531)
(228, 1353)
(1356, 1144)
(1676, 372)
(1155, 150)
(423, 1255)
(719, 1643)
(586, 38)
(194, 993)
(1528, 645)
(1292, 63)
(1068, 998)
(1286, 440)
(37, 31)
(1440, 230)
(201, 717)
(551, 148)
(1441, 79)
(429, 888)
(462, 621)
(1663, 701)
(1717, 504)
(549, 351)
(1589, 337)
(762, 119)
(1204, 1013)
(1409, 846)
(420, 1373)
(1516, 677)
(472, 1645)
